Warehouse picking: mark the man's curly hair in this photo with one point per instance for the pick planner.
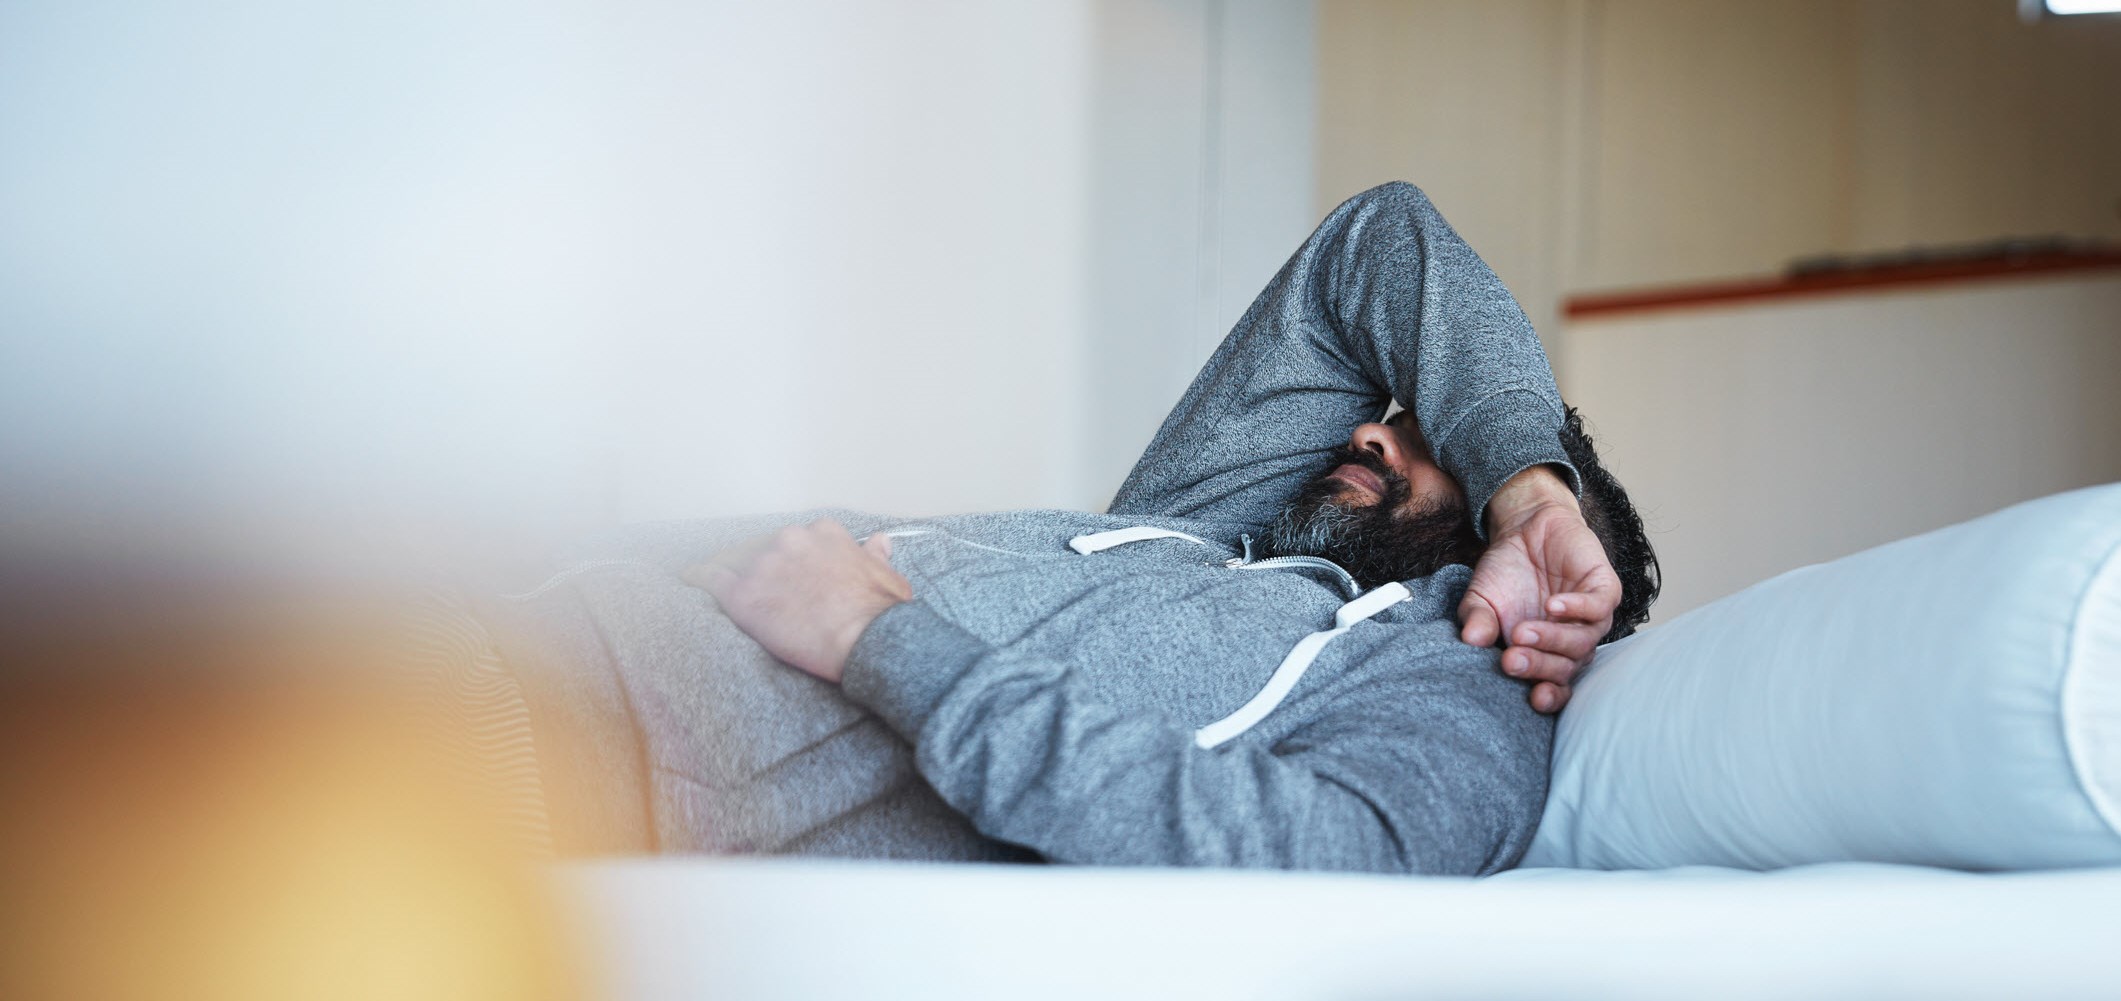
(1613, 519)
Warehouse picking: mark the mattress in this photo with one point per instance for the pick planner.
(800, 929)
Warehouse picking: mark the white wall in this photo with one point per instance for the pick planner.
(854, 247)
(462, 269)
(1201, 183)
(1762, 437)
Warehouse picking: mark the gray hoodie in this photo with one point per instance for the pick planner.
(1119, 688)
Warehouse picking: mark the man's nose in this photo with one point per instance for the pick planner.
(1383, 441)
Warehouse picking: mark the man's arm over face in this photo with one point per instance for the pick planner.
(1384, 300)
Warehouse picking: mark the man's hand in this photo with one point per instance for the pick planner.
(806, 592)
(1544, 582)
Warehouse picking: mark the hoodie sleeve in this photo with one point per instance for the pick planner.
(1432, 782)
(1383, 301)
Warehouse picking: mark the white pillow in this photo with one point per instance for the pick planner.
(1953, 699)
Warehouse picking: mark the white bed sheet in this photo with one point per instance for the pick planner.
(799, 929)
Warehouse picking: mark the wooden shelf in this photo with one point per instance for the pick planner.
(1832, 281)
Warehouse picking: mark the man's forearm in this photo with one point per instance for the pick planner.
(1384, 301)
(1034, 757)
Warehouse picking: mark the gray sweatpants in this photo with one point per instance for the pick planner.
(705, 744)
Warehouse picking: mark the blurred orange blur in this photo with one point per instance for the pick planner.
(237, 807)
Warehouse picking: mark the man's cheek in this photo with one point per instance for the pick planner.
(1437, 485)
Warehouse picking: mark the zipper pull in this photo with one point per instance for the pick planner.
(1239, 561)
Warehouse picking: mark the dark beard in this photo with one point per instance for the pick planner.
(1377, 543)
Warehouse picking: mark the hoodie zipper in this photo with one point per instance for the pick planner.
(1246, 562)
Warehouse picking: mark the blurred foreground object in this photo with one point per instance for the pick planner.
(224, 803)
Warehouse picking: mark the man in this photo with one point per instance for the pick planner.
(1271, 651)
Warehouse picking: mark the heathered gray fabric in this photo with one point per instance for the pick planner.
(1030, 696)
(1383, 301)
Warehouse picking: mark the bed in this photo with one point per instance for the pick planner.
(745, 929)
(1897, 774)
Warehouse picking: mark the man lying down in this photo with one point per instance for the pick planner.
(1300, 638)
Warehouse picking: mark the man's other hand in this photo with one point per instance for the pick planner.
(806, 592)
(1544, 582)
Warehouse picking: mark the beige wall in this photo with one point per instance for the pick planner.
(1971, 124)
(1466, 100)
(1584, 144)
(1720, 140)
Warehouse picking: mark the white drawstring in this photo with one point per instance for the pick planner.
(1295, 664)
(1292, 667)
(1098, 542)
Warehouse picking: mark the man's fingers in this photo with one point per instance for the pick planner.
(1584, 606)
(1548, 697)
(1537, 665)
(879, 546)
(1573, 640)
(1481, 626)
